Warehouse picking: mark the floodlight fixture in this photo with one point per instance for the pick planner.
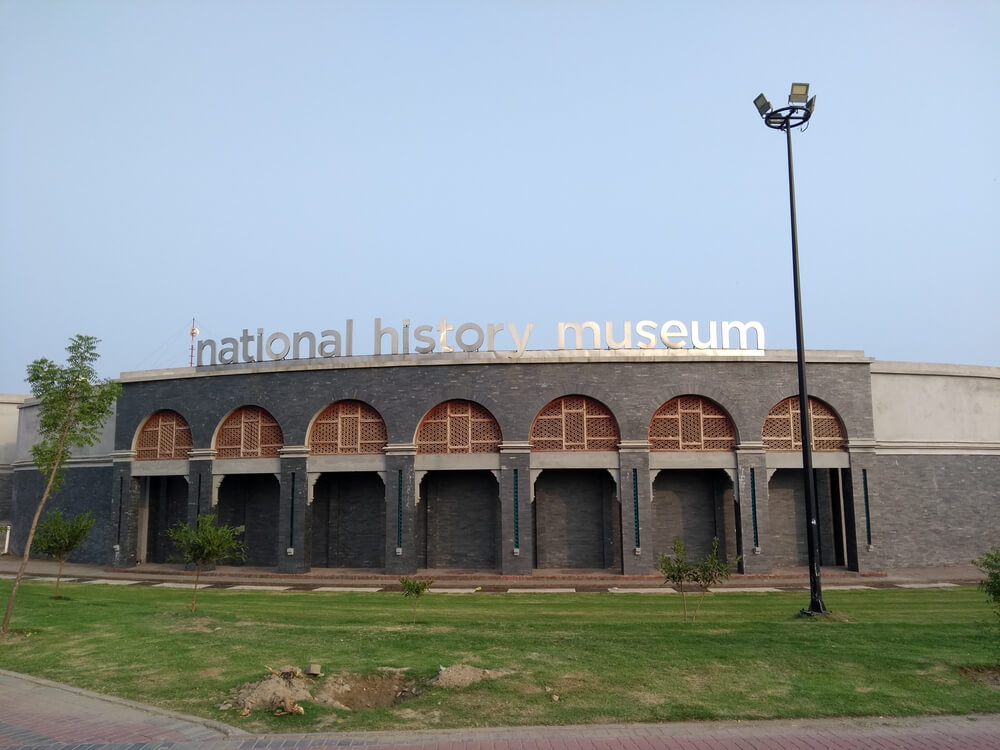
(811, 105)
(762, 104)
(799, 93)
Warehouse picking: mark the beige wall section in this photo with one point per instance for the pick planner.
(27, 436)
(936, 406)
(9, 404)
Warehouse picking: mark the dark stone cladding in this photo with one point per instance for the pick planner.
(513, 392)
(84, 488)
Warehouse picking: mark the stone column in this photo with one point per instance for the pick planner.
(293, 511)
(750, 497)
(202, 489)
(400, 509)
(124, 510)
(516, 532)
(635, 491)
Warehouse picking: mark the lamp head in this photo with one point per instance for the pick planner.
(762, 104)
(799, 93)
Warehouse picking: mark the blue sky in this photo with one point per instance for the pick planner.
(290, 165)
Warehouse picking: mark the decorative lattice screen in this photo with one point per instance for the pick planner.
(691, 423)
(458, 427)
(165, 436)
(575, 423)
(782, 428)
(249, 432)
(347, 427)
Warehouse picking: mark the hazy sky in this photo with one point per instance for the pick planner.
(290, 165)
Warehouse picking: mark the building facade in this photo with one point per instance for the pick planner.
(582, 460)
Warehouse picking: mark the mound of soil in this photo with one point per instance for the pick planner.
(271, 693)
(283, 688)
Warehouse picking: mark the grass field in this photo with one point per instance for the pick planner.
(572, 659)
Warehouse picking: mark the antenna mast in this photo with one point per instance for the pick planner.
(194, 332)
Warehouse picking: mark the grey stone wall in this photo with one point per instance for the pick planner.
(84, 488)
(931, 492)
(936, 509)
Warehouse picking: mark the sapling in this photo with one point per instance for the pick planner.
(414, 589)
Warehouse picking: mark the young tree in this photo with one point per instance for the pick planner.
(75, 403)
(413, 589)
(205, 544)
(677, 570)
(701, 573)
(58, 536)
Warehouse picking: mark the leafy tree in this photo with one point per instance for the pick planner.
(58, 536)
(75, 403)
(205, 544)
(677, 570)
(704, 573)
(413, 589)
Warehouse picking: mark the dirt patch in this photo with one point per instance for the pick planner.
(284, 688)
(352, 691)
(989, 676)
(463, 675)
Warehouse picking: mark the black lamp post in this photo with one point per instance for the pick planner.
(797, 114)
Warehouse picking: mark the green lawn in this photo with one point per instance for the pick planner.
(608, 657)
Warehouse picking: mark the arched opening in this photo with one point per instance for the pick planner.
(835, 518)
(577, 520)
(458, 520)
(695, 505)
(162, 445)
(250, 502)
(348, 521)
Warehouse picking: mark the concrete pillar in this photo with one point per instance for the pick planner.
(516, 530)
(293, 511)
(125, 497)
(400, 509)
(201, 484)
(635, 491)
(752, 508)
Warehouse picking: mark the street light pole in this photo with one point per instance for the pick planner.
(795, 115)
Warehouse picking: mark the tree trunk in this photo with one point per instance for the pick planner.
(34, 521)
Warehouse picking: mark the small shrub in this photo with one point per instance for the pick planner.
(413, 589)
(58, 536)
(704, 573)
(205, 544)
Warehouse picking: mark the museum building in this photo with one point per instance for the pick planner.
(582, 460)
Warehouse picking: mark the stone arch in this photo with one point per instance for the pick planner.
(458, 426)
(249, 432)
(783, 430)
(164, 436)
(691, 423)
(347, 428)
(575, 423)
